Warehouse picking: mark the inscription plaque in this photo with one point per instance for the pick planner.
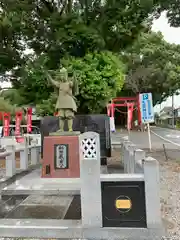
(61, 156)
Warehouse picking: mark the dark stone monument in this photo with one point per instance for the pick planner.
(96, 122)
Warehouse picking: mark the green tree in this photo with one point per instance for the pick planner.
(99, 76)
(172, 9)
(153, 66)
(11, 47)
(70, 27)
(32, 84)
(13, 96)
(6, 106)
(58, 30)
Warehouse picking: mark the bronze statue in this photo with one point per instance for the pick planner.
(65, 105)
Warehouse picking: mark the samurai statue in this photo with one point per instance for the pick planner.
(65, 104)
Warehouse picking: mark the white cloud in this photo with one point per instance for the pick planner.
(5, 85)
(171, 35)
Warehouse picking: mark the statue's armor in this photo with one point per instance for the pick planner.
(65, 99)
(65, 103)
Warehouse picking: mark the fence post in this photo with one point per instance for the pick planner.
(90, 179)
(34, 155)
(152, 192)
(10, 161)
(123, 151)
(126, 156)
(131, 165)
(139, 157)
(24, 156)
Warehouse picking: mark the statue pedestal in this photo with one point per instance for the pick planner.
(61, 155)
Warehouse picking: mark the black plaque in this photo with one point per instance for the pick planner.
(96, 122)
(123, 204)
(61, 156)
(48, 169)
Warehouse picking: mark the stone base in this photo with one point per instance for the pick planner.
(61, 156)
(72, 229)
(65, 133)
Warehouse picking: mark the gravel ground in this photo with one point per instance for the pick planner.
(169, 189)
(170, 192)
(2, 173)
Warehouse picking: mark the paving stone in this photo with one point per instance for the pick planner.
(48, 200)
(37, 212)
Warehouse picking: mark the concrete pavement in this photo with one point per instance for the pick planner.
(141, 139)
(162, 149)
(169, 135)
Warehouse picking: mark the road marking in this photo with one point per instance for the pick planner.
(165, 139)
(172, 136)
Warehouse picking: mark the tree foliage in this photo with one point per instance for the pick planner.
(10, 47)
(10, 102)
(32, 84)
(86, 35)
(153, 66)
(99, 76)
(6, 106)
(172, 9)
(70, 27)
(12, 96)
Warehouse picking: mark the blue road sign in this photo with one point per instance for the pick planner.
(146, 106)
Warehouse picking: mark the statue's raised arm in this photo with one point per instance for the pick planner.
(75, 85)
(55, 83)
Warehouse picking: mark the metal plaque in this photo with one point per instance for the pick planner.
(61, 156)
(124, 204)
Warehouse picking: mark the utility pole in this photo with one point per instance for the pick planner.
(173, 117)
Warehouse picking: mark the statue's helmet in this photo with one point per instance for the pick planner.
(63, 73)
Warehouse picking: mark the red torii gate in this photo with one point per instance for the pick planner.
(129, 102)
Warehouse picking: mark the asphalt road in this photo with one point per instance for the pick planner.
(158, 138)
(171, 135)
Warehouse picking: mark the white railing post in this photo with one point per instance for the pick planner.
(90, 179)
(34, 150)
(139, 157)
(123, 150)
(131, 163)
(124, 141)
(24, 156)
(10, 161)
(126, 156)
(152, 192)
